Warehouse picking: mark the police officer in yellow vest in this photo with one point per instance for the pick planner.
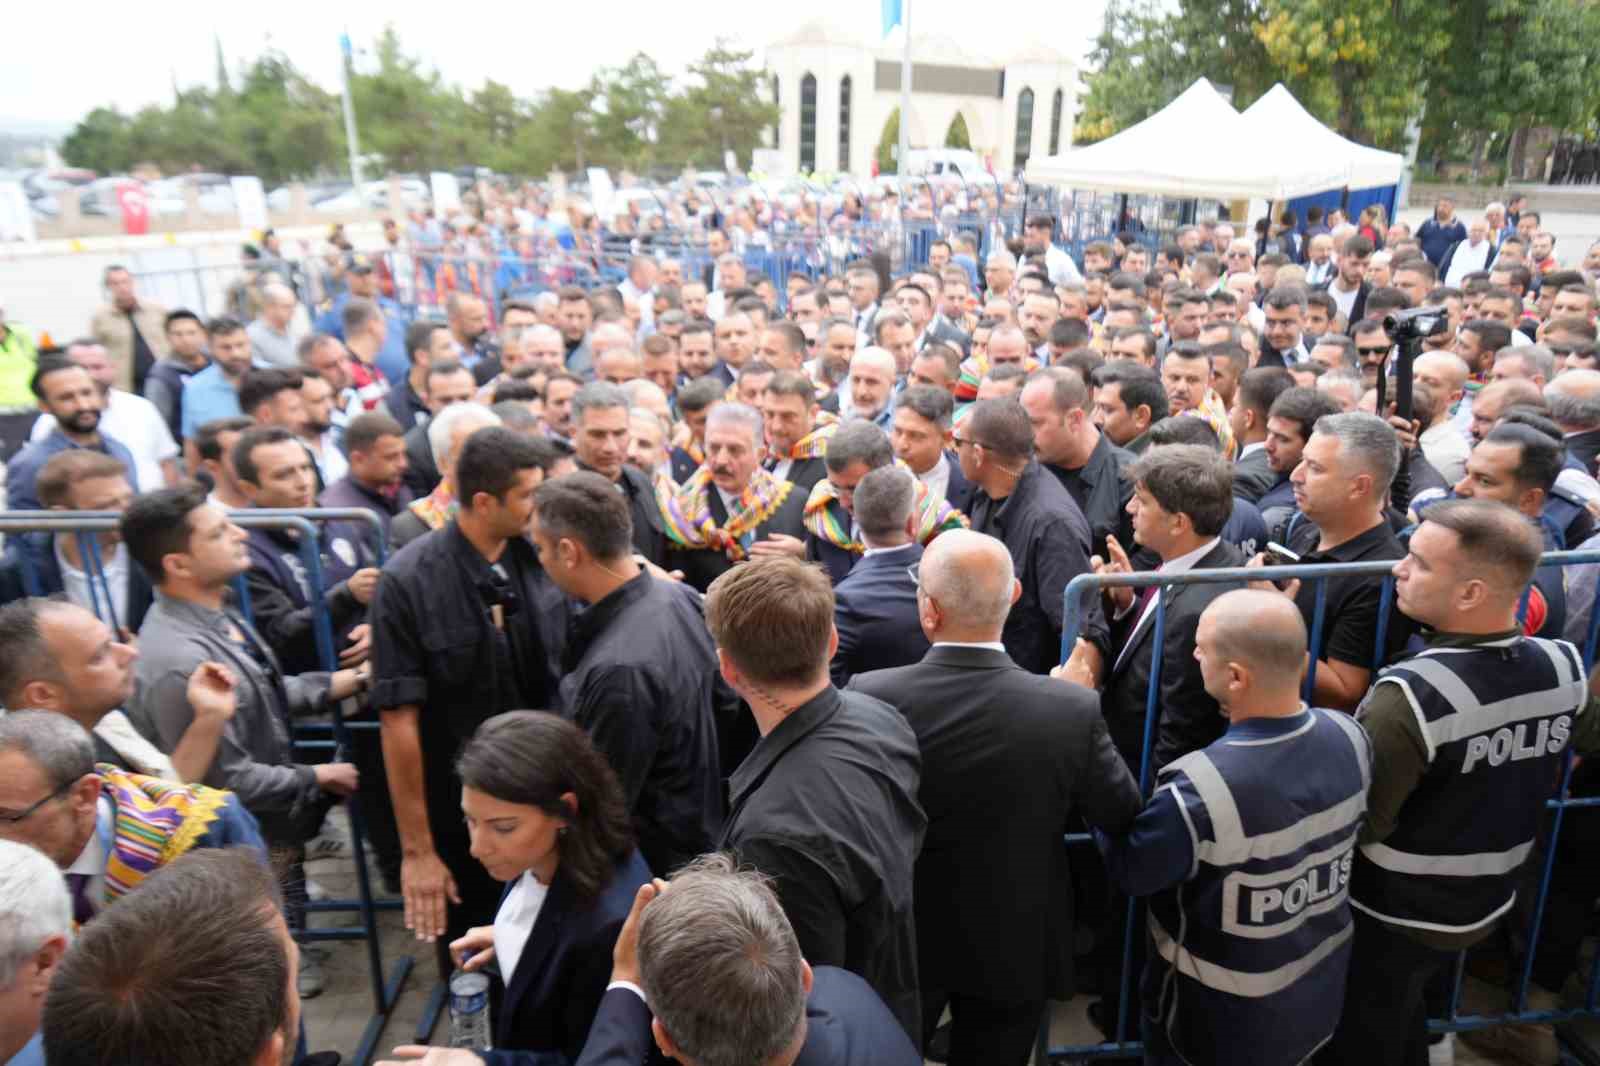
(1245, 850)
(1468, 737)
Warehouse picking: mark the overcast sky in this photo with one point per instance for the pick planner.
(67, 58)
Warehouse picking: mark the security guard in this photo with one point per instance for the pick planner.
(1246, 851)
(1468, 737)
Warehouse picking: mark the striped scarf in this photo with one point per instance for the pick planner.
(436, 508)
(973, 370)
(934, 516)
(686, 513)
(814, 445)
(156, 822)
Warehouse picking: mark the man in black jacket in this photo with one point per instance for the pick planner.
(826, 804)
(448, 382)
(1067, 444)
(640, 673)
(1252, 400)
(875, 608)
(995, 869)
(600, 431)
(1028, 509)
(1349, 287)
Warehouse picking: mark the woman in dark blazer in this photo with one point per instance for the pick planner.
(547, 817)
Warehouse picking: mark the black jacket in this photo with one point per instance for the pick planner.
(1253, 476)
(702, 566)
(406, 406)
(1187, 718)
(1101, 493)
(958, 490)
(641, 676)
(29, 568)
(826, 805)
(421, 475)
(1585, 447)
(551, 999)
(875, 614)
(435, 645)
(348, 492)
(1358, 310)
(803, 474)
(947, 333)
(279, 603)
(1007, 758)
(846, 1025)
(1048, 538)
(649, 535)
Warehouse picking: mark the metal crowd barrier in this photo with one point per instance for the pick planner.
(85, 524)
(1077, 596)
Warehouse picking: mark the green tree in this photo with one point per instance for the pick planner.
(956, 136)
(407, 115)
(889, 144)
(101, 141)
(727, 104)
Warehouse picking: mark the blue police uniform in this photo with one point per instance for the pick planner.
(393, 359)
(1246, 851)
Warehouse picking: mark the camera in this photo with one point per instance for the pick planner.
(1415, 324)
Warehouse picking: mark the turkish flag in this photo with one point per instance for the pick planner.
(135, 204)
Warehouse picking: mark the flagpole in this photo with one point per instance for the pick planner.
(905, 102)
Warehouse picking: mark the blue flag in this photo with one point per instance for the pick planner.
(891, 15)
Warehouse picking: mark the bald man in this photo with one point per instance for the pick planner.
(872, 380)
(997, 871)
(1245, 852)
(1444, 440)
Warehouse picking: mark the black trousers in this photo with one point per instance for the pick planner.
(1385, 1020)
(983, 1031)
(480, 894)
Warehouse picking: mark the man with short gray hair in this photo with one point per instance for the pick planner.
(731, 508)
(1574, 399)
(728, 985)
(35, 929)
(600, 434)
(985, 726)
(1341, 486)
(875, 606)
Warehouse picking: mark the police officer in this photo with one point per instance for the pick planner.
(1245, 851)
(1467, 737)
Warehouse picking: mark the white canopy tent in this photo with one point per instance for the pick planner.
(1197, 146)
(1279, 120)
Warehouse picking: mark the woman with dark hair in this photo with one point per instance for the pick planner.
(547, 817)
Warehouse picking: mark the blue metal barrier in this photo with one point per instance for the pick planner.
(86, 524)
(1077, 598)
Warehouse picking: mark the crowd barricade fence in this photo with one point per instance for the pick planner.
(1125, 1042)
(332, 737)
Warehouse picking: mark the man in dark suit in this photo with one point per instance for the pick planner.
(448, 382)
(795, 444)
(996, 871)
(920, 433)
(875, 606)
(690, 951)
(730, 509)
(1252, 400)
(1574, 399)
(1183, 495)
(1068, 445)
(600, 433)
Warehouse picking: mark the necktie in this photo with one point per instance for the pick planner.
(1147, 594)
(82, 909)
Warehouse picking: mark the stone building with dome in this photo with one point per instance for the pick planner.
(837, 93)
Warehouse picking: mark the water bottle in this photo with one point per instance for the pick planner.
(469, 1011)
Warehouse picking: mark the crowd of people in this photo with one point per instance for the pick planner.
(710, 670)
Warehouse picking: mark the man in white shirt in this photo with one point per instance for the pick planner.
(317, 432)
(1468, 256)
(1057, 263)
(1349, 288)
(638, 285)
(132, 421)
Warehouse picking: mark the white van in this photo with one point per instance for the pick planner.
(949, 166)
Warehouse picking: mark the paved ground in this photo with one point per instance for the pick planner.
(336, 1019)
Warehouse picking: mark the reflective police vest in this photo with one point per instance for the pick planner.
(1250, 953)
(1495, 719)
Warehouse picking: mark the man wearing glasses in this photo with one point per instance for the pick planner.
(106, 829)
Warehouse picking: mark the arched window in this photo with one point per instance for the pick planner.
(808, 124)
(844, 123)
(1055, 123)
(1024, 141)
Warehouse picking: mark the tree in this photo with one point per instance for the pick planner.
(408, 116)
(100, 142)
(956, 136)
(729, 88)
(889, 144)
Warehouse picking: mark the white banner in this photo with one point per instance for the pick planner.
(446, 192)
(16, 216)
(251, 200)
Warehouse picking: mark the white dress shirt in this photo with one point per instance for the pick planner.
(75, 582)
(1469, 257)
(992, 645)
(514, 922)
(937, 477)
(1181, 565)
(91, 861)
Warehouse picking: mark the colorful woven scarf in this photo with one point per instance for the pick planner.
(814, 445)
(973, 370)
(437, 508)
(687, 512)
(934, 516)
(156, 822)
